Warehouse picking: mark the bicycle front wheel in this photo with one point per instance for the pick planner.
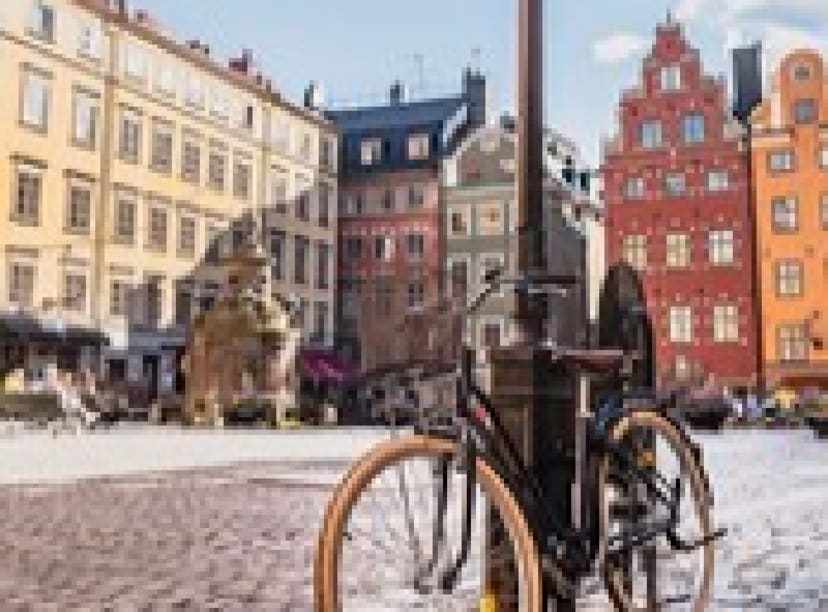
(643, 570)
(394, 529)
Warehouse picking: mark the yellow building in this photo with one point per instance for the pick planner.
(790, 160)
(131, 161)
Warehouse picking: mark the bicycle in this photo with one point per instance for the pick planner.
(451, 517)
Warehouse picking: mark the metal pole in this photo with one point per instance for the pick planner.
(529, 164)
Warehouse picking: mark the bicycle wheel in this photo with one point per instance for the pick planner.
(380, 547)
(652, 574)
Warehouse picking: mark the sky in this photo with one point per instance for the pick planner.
(593, 48)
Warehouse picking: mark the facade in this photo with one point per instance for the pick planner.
(677, 198)
(790, 159)
(480, 221)
(131, 161)
(389, 216)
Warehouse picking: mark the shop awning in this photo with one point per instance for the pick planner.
(27, 329)
(325, 366)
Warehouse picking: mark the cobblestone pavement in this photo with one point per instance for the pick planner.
(241, 538)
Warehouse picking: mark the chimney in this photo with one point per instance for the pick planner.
(197, 45)
(244, 63)
(397, 94)
(119, 6)
(314, 96)
(475, 93)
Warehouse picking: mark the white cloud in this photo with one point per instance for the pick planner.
(688, 10)
(619, 47)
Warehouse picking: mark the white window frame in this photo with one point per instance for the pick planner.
(370, 151)
(651, 134)
(789, 278)
(675, 184)
(85, 118)
(465, 214)
(784, 214)
(634, 188)
(35, 99)
(136, 62)
(91, 40)
(787, 157)
(670, 78)
(721, 247)
(725, 323)
(418, 147)
(681, 324)
(678, 250)
(634, 251)
(718, 181)
(690, 124)
(42, 21)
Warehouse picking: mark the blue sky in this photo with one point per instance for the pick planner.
(593, 47)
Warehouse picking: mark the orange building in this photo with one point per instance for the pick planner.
(790, 161)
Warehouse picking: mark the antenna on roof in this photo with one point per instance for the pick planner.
(475, 59)
(669, 16)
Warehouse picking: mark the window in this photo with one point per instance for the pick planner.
(371, 151)
(675, 184)
(213, 244)
(324, 204)
(194, 93)
(718, 180)
(353, 248)
(278, 192)
(21, 284)
(183, 303)
(219, 106)
(241, 180)
(35, 110)
(681, 324)
(720, 247)
(491, 333)
(157, 237)
(300, 260)
(490, 221)
(42, 21)
(670, 78)
(384, 289)
(416, 246)
(327, 153)
(384, 248)
(276, 246)
(353, 204)
(792, 343)
(823, 157)
(418, 146)
(85, 121)
(781, 161)
(191, 161)
(789, 279)
(459, 279)
(458, 222)
(488, 264)
(186, 236)
(78, 208)
(634, 188)
(634, 251)
(91, 41)
(823, 210)
(785, 214)
(280, 134)
(323, 266)
(388, 200)
(320, 326)
(217, 168)
(118, 298)
(165, 80)
(125, 209)
(678, 250)
(130, 136)
(416, 294)
(305, 147)
(135, 63)
(154, 296)
(28, 196)
(693, 129)
(162, 146)
(804, 111)
(725, 323)
(303, 202)
(650, 134)
(416, 196)
(74, 292)
(802, 72)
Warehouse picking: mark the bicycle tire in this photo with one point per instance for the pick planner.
(326, 565)
(646, 418)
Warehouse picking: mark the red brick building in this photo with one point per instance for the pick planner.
(677, 201)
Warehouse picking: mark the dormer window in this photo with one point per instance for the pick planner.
(670, 77)
(418, 146)
(371, 151)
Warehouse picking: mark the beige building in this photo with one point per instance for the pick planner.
(130, 162)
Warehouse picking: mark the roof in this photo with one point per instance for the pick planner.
(419, 113)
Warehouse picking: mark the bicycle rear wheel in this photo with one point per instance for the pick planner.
(652, 574)
(381, 547)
